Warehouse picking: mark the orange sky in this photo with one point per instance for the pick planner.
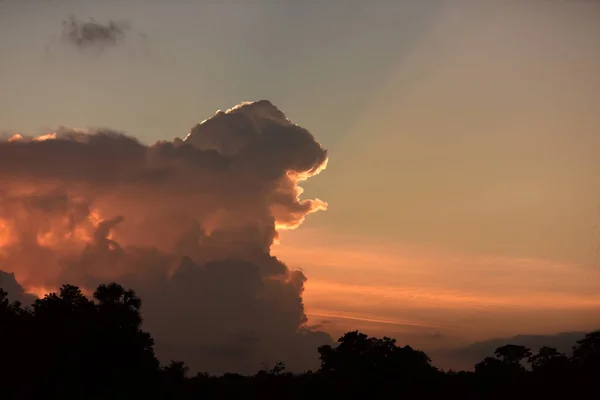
(389, 287)
(463, 137)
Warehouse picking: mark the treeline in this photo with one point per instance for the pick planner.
(66, 346)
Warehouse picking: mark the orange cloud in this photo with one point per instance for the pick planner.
(189, 224)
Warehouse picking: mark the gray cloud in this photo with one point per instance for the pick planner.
(9, 284)
(90, 33)
(187, 223)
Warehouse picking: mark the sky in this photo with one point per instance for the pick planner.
(462, 137)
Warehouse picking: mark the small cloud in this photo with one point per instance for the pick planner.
(86, 34)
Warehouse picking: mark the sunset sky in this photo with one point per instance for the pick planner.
(463, 141)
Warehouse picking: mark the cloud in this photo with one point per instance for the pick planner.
(187, 223)
(85, 34)
(9, 284)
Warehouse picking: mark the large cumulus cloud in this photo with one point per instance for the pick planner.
(188, 223)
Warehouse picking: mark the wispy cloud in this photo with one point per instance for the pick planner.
(423, 286)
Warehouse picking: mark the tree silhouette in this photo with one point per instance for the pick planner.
(95, 348)
(15, 366)
(68, 346)
(586, 353)
(360, 355)
(548, 359)
(490, 366)
(512, 354)
(4, 303)
(366, 364)
(174, 379)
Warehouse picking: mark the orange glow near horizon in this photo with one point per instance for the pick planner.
(410, 287)
(39, 291)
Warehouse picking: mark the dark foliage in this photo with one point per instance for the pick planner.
(70, 347)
